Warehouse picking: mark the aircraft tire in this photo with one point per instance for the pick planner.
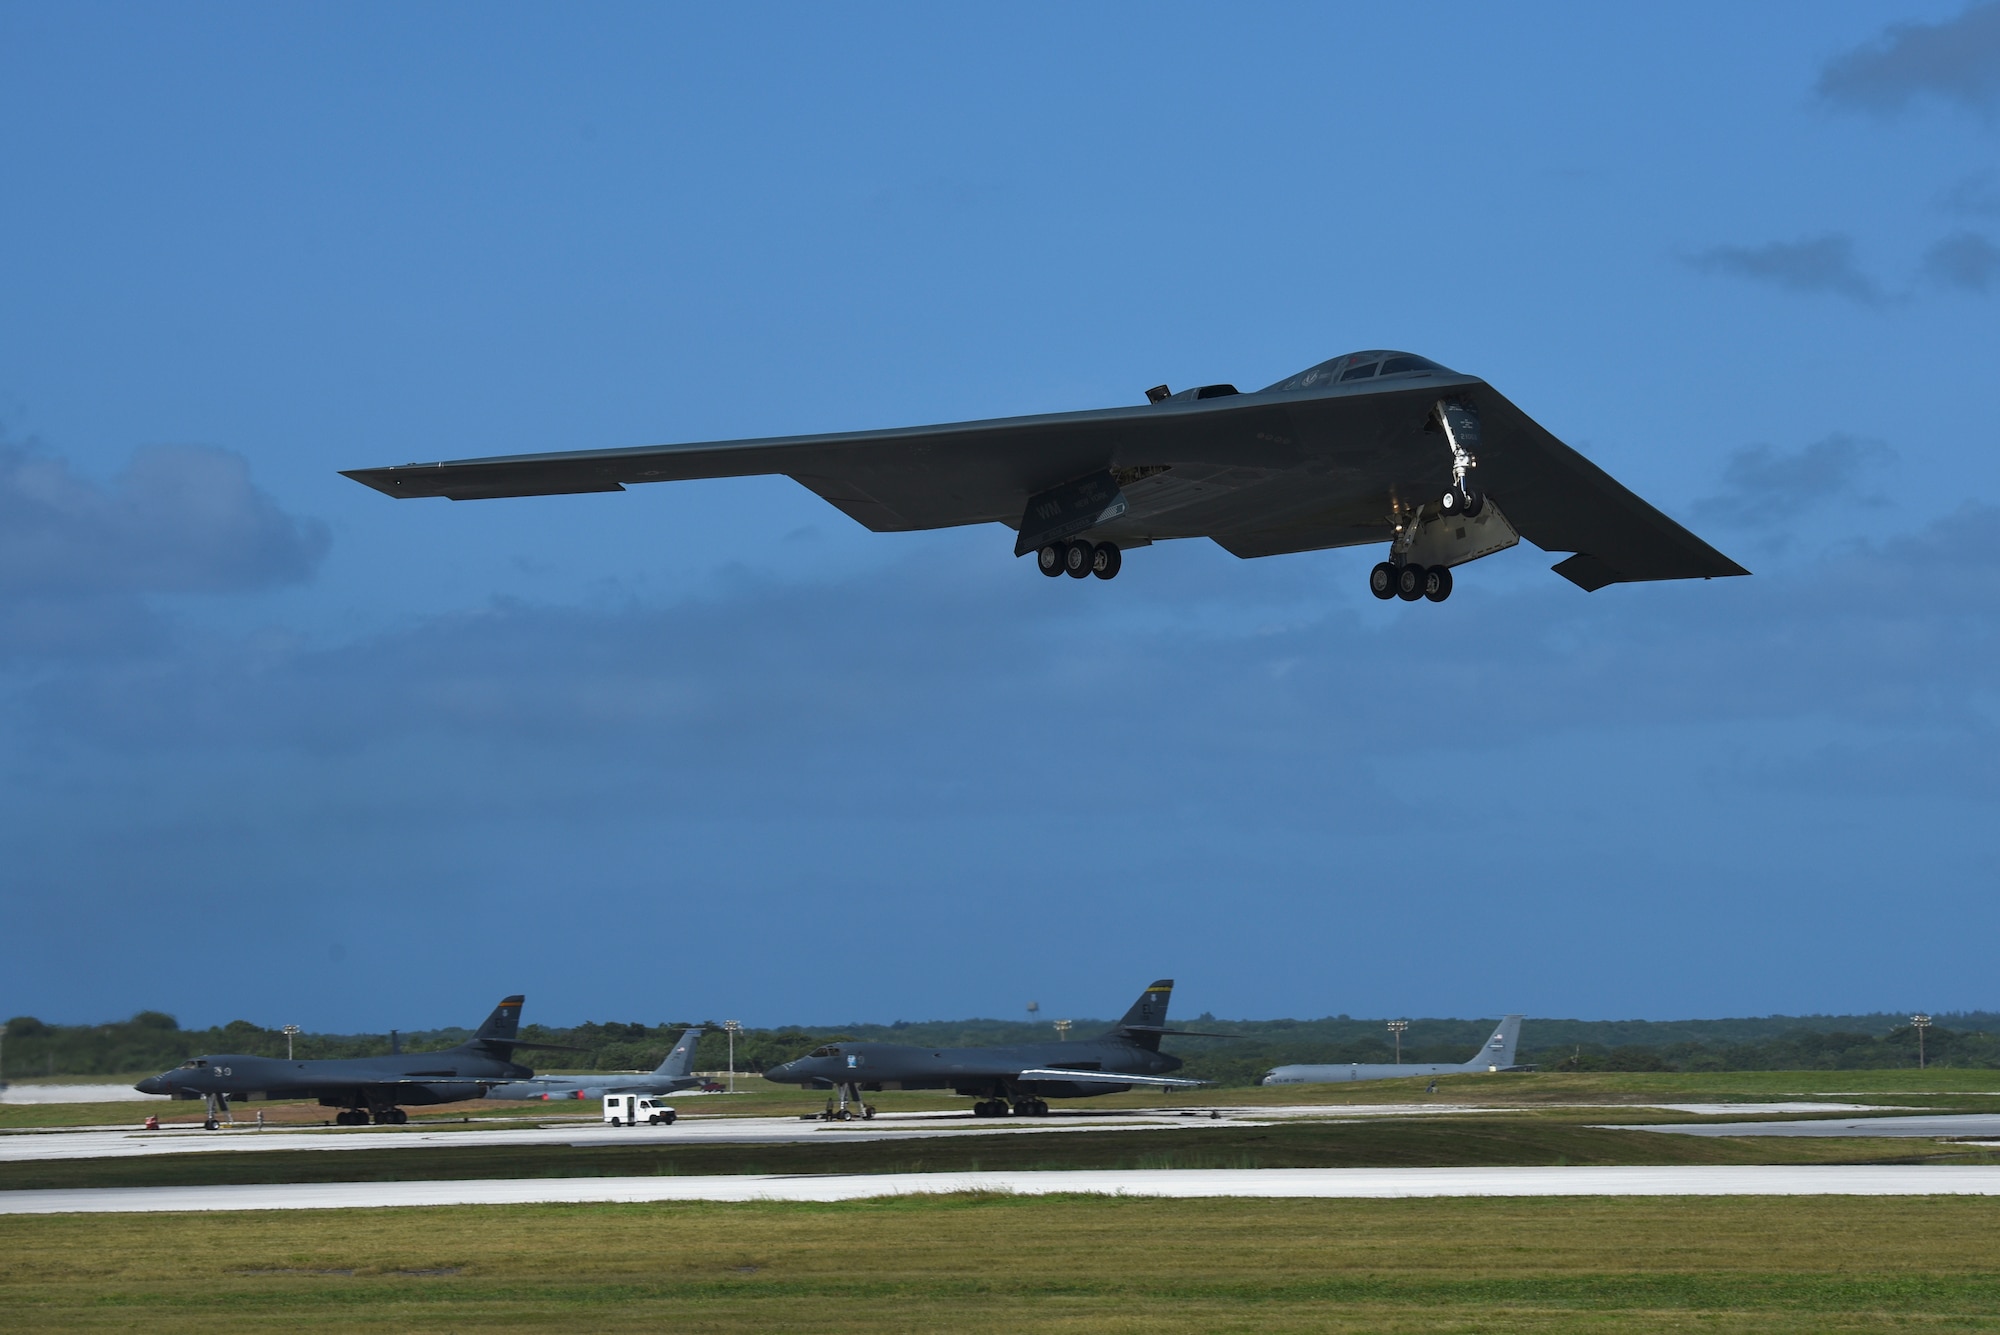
(1078, 558)
(1382, 581)
(1049, 560)
(209, 1125)
(1410, 581)
(867, 1112)
(1437, 587)
(1107, 561)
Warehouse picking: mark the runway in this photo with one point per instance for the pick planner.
(125, 1142)
(1259, 1183)
(1944, 1126)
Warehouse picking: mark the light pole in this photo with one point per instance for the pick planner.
(1062, 1031)
(732, 1028)
(292, 1031)
(1397, 1027)
(1920, 1023)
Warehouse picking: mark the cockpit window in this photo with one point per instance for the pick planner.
(1397, 365)
(830, 1050)
(1358, 372)
(193, 1064)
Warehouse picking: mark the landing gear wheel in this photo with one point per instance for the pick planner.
(867, 1113)
(1382, 580)
(209, 1125)
(1438, 587)
(1049, 560)
(1107, 560)
(1463, 504)
(1078, 557)
(1410, 581)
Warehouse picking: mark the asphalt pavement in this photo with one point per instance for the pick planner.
(1266, 1183)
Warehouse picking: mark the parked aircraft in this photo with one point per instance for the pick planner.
(361, 1087)
(1496, 1054)
(1026, 1075)
(675, 1073)
(1371, 447)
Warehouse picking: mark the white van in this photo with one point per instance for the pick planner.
(632, 1109)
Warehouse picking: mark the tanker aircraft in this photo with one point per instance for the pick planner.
(675, 1073)
(1371, 447)
(361, 1087)
(1497, 1054)
(1026, 1075)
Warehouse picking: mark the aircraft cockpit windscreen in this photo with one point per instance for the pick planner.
(1372, 365)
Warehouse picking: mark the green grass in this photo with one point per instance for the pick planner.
(1526, 1138)
(1046, 1264)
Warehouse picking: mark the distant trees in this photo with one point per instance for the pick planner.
(153, 1040)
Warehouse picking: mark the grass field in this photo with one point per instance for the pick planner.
(1049, 1264)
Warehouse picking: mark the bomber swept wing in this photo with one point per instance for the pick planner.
(1371, 447)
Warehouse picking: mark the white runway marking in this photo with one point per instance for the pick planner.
(1266, 1183)
(1946, 1126)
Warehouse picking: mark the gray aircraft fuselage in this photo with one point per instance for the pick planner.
(378, 1084)
(669, 1077)
(1495, 1054)
(1023, 1074)
(977, 1072)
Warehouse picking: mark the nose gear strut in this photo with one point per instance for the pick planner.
(1461, 433)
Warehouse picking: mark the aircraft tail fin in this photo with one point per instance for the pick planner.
(1144, 1023)
(1498, 1052)
(680, 1062)
(501, 1026)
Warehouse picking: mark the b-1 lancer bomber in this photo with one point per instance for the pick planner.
(1024, 1076)
(363, 1088)
(1496, 1054)
(670, 1076)
(1371, 447)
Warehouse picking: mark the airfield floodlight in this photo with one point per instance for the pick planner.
(291, 1031)
(1062, 1031)
(1920, 1023)
(1397, 1027)
(732, 1028)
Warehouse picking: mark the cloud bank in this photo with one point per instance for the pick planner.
(1956, 61)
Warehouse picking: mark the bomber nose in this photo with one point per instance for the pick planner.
(153, 1084)
(782, 1072)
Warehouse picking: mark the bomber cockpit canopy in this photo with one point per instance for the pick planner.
(1372, 365)
(830, 1050)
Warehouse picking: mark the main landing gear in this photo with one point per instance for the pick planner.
(1410, 582)
(1021, 1108)
(1080, 559)
(360, 1117)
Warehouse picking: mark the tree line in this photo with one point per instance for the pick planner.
(153, 1040)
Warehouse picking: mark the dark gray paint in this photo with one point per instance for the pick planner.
(1125, 1055)
(1310, 462)
(377, 1084)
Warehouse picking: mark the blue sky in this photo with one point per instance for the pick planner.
(274, 746)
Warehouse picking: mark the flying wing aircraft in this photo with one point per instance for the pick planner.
(1371, 447)
(676, 1072)
(1026, 1075)
(361, 1087)
(1496, 1054)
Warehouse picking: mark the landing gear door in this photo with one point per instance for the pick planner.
(1452, 540)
